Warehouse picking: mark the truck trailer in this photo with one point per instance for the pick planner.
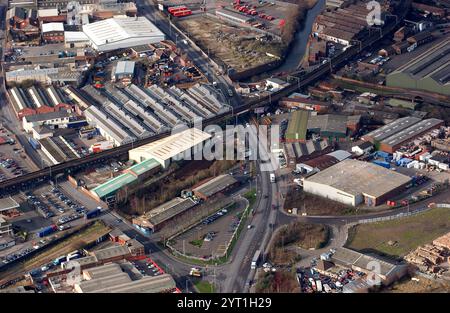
(47, 230)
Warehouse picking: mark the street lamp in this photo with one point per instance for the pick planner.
(297, 78)
(232, 113)
(359, 41)
(329, 62)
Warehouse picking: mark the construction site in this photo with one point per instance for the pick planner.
(238, 47)
(241, 34)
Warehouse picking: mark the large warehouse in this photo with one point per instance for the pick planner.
(176, 146)
(392, 136)
(122, 32)
(303, 123)
(429, 71)
(353, 182)
(156, 218)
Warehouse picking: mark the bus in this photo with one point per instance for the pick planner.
(255, 259)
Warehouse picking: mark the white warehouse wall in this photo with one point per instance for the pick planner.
(331, 193)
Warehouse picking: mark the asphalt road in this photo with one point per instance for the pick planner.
(148, 9)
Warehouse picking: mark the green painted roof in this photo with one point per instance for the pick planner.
(297, 125)
(114, 184)
(402, 103)
(144, 166)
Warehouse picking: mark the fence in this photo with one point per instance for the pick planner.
(218, 67)
(401, 215)
(442, 205)
(228, 247)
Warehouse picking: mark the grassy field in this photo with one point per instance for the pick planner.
(398, 237)
(424, 285)
(204, 286)
(296, 234)
(250, 196)
(197, 242)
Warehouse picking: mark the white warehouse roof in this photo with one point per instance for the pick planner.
(75, 37)
(125, 68)
(107, 125)
(48, 12)
(121, 32)
(167, 148)
(52, 27)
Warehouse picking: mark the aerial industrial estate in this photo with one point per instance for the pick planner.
(226, 146)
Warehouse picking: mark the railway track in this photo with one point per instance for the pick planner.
(14, 184)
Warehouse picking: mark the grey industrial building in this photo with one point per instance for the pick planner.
(385, 271)
(233, 16)
(157, 217)
(392, 136)
(353, 182)
(214, 186)
(111, 278)
(430, 71)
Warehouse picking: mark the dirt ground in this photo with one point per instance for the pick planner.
(235, 46)
(314, 205)
(191, 168)
(398, 237)
(294, 235)
(280, 281)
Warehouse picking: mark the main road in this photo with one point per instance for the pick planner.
(304, 79)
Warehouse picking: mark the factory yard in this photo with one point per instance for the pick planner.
(398, 237)
(235, 46)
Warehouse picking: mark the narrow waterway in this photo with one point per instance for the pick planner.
(297, 51)
(298, 48)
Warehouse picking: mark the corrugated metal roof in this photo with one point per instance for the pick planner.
(297, 125)
(125, 67)
(114, 184)
(340, 154)
(52, 27)
(144, 166)
(169, 147)
(216, 185)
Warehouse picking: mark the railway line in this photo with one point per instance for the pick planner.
(15, 184)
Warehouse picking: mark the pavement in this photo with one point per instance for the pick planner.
(148, 9)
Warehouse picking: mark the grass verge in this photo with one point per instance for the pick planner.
(396, 238)
(204, 286)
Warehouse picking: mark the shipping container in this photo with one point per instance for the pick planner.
(382, 154)
(34, 143)
(77, 124)
(182, 13)
(176, 8)
(47, 230)
(92, 213)
(382, 163)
